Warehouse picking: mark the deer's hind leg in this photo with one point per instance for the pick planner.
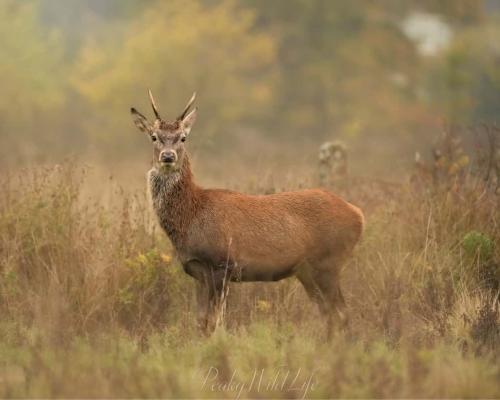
(322, 284)
(330, 286)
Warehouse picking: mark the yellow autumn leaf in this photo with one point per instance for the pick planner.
(263, 305)
(463, 161)
(166, 258)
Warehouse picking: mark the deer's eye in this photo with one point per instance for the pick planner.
(154, 138)
(183, 138)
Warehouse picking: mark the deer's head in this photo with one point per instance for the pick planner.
(167, 137)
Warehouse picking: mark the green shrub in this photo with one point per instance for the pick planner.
(477, 244)
(152, 289)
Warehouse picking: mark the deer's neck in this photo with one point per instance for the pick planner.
(175, 199)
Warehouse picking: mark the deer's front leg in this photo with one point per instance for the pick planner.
(209, 302)
(202, 300)
(218, 290)
(209, 294)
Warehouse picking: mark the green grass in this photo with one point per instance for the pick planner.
(259, 360)
(94, 304)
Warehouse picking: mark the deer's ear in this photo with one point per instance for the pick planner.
(141, 121)
(188, 121)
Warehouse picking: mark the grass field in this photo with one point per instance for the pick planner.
(94, 303)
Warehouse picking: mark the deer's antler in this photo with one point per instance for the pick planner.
(186, 109)
(153, 104)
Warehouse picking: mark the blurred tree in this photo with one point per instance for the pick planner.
(174, 48)
(457, 12)
(32, 89)
(77, 19)
(465, 80)
(347, 70)
(299, 71)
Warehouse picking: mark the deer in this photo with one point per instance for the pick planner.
(221, 236)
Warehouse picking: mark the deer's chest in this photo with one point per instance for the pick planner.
(167, 204)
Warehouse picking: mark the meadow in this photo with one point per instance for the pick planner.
(94, 303)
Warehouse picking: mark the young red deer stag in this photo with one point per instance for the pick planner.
(223, 235)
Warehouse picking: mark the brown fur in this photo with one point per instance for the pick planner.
(224, 235)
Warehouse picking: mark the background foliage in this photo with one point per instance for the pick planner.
(291, 73)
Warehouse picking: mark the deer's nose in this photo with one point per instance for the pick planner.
(168, 156)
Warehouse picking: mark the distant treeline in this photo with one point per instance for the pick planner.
(294, 69)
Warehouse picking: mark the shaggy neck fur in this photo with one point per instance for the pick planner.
(175, 199)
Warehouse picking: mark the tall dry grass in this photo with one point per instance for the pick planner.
(94, 304)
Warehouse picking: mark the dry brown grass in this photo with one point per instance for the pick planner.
(93, 302)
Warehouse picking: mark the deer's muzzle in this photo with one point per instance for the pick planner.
(168, 156)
